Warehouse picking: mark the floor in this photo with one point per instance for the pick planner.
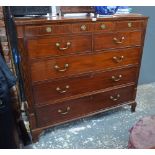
(108, 130)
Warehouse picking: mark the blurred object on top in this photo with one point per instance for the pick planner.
(106, 10)
(124, 10)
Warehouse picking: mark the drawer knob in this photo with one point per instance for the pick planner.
(129, 24)
(64, 112)
(103, 26)
(59, 68)
(118, 41)
(62, 91)
(48, 29)
(115, 98)
(118, 78)
(63, 48)
(83, 27)
(118, 59)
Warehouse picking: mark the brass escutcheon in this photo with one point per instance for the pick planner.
(129, 24)
(103, 26)
(83, 27)
(48, 29)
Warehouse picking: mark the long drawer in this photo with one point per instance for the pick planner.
(60, 112)
(104, 41)
(71, 65)
(48, 92)
(55, 46)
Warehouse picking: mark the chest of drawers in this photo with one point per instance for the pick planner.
(76, 67)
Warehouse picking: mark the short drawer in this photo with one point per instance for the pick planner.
(82, 27)
(48, 92)
(48, 30)
(72, 65)
(55, 46)
(104, 26)
(61, 67)
(117, 40)
(72, 109)
(129, 25)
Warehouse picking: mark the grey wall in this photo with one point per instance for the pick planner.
(147, 72)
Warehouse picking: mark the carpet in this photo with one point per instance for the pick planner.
(107, 130)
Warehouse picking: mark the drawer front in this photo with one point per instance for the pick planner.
(48, 92)
(55, 46)
(104, 26)
(129, 25)
(61, 67)
(116, 40)
(82, 27)
(68, 66)
(114, 97)
(64, 111)
(117, 58)
(47, 30)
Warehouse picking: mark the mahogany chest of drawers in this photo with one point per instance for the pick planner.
(76, 67)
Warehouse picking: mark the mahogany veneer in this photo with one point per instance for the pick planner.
(76, 67)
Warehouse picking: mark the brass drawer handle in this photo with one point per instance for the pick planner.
(63, 48)
(83, 27)
(118, 59)
(48, 29)
(117, 41)
(61, 70)
(62, 91)
(64, 112)
(103, 26)
(129, 24)
(114, 78)
(115, 98)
